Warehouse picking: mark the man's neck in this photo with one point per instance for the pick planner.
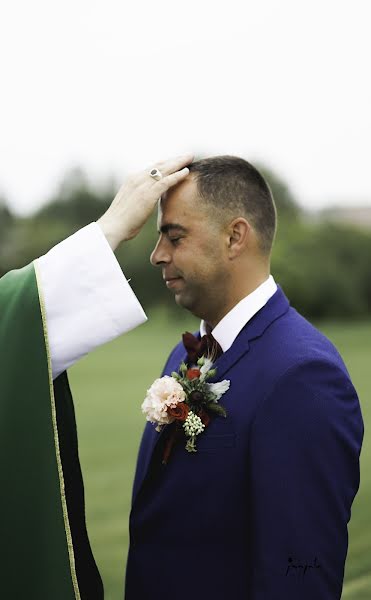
(228, 328)
(236, 295)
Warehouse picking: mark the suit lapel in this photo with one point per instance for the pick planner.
(277, 306)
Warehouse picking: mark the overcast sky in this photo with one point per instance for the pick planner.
(114, 85)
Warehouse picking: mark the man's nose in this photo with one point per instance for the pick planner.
(160, 255)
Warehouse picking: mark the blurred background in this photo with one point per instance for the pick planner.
(92, 90)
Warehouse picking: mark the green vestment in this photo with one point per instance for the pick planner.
(42, 520)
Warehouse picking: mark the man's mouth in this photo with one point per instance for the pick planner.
(172, 281)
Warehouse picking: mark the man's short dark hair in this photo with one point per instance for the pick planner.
(231, 184)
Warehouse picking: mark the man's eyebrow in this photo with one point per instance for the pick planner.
(170, 226)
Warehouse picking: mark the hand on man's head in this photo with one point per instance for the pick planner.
(137, 197)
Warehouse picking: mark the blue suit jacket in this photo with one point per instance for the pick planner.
(260, 512)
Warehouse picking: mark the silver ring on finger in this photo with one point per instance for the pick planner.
(156, 174)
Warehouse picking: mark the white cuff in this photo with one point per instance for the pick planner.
(88, 300)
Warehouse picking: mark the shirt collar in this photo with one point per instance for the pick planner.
(226, 331)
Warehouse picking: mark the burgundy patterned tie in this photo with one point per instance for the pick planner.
(206, 346)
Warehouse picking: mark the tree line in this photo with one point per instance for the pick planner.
(323, 267)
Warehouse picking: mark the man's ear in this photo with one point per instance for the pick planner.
(239, 233)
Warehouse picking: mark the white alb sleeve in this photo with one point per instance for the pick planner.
(87, 298)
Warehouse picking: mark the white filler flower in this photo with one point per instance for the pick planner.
(193, 425)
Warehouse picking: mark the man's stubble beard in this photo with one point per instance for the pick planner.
(204, 302)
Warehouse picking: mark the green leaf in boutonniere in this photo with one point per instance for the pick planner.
(218, 409)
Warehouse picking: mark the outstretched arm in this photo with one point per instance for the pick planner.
(88, 301)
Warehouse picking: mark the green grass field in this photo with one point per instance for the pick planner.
(109, 386)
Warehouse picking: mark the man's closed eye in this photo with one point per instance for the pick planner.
(175, 241)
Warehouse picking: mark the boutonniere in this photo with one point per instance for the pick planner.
(186, 399)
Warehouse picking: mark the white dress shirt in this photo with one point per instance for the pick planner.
(226, 331)
(87, 298)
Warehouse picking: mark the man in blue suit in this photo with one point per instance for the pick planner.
(260, 511)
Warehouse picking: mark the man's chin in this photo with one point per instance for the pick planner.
(178, 298)
(183, 301)
(181, 295)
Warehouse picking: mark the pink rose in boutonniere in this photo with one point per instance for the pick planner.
(187, 399)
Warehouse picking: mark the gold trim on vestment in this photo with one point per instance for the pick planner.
(56, 441)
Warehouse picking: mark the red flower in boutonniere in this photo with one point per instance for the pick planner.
(178, 412)
(193, 373)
